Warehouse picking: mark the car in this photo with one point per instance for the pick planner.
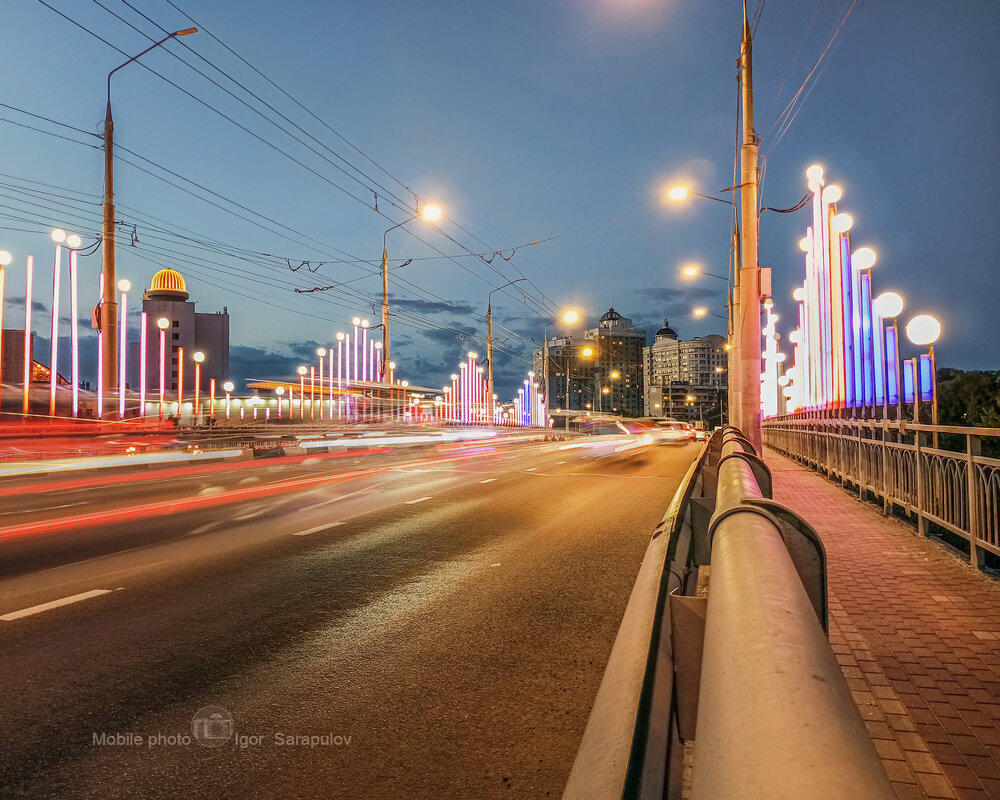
(672, 431)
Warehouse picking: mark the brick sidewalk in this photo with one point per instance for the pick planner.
(917, 632)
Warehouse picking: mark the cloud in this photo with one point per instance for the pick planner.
(256, 362)
(664, 295)
(432, 306)
(456, 336)
(18, 302)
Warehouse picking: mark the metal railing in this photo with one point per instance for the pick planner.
(932, 474)
(744, 677)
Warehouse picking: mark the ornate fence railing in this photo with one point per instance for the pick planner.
(935, 475)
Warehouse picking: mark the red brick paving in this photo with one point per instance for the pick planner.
(917, 633)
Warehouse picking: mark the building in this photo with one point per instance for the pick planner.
(675, 370)
(604, 367)
(187, 330)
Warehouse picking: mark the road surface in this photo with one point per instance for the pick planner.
(419, 624)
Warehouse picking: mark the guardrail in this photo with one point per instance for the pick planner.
(933, 474)
(743, 678)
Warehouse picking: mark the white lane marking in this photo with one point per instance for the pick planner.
(65, 601)
(531, 469)
(249, 479)
(560, 462)
(250, 515)
(488, 480)
(418, 500)
(209, 491)
(318, 528)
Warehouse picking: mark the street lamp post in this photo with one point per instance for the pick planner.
(228, 388)
(123, 286)
(430, 213)
(198, 357)
(489, 335)
(924, 330)
(5, 259)
(108, 311)
(302, 396)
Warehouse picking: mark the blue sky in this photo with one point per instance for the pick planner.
(556, 121)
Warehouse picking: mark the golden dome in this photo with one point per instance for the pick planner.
(168, 282)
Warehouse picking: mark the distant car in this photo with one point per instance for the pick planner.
(700, 434)
(671, 431)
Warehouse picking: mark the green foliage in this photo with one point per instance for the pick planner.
(970, 399)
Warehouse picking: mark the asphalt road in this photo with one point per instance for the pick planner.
(422, 624)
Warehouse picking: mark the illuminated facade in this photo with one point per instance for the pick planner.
(675, 369)
(188, 330)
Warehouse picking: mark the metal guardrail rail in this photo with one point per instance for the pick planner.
(901, 464)
(745, 677)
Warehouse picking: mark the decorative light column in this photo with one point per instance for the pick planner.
(163, 323)
(123, 286)
(199, 358)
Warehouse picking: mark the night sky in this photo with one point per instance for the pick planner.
(559, 122)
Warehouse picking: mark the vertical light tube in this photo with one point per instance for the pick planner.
(321, 387)
(54, 345)
(100, 353)
(197, 391)
(27, 334)
(867, 367)
(122, 352)
(850, 332)
(180, 382)
(312, 392)
(340, 369)
(211, 395)
(355, 340)
(143, 322)
(878, 358)
(892, 362)
(74, 335)
(163, 358)
(858, 334)
(364, 353)
(926, 380)
(908, 381)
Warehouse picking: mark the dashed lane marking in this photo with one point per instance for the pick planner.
(65, 601)
(418, 500)
(488, 480)
(317, 529)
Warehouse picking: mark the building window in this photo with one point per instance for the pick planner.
(176, 336)
(177, 323)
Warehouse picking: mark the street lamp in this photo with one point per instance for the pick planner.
(228, 387)
(489, 333)
(693, 270)
(889, 305)
(280, 391)
(198, 357)
(430, 213)
(107, 306)
(162, 323)
(924, 330)
(58, 236)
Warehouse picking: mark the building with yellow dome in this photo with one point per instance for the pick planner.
(186, 333)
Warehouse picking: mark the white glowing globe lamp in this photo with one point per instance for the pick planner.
(923, 330)
(888, 305)
(863, 258)
(5, 258)
(124, 285)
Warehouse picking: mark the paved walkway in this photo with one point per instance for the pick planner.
(917, 633)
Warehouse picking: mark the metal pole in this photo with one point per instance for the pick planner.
(749, 306)
(545, 370)
(567, 391)
(489, 348)
(109, 310)
(383, 377)
(934, 403)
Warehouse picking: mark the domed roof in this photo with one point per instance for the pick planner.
(611, 315)
(168, 284)
(666, 330)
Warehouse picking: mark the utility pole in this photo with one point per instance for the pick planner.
(489, 337)
(108, 320)
(749, 291)
(545, 370)
(384, 377)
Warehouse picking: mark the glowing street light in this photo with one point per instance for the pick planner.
(693, 270)
(107, 304)
(58, 236)
(430, 214)
(228, 387)
(699, 311)
(924, 330)
(280, 391)
(162, 323)
(199, 358)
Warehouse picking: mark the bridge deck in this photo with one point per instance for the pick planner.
(917, 633)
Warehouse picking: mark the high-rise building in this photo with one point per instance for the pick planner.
(167, 298)
(676, 370)
(614, 364)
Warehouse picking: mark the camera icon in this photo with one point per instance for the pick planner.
(212, 726)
